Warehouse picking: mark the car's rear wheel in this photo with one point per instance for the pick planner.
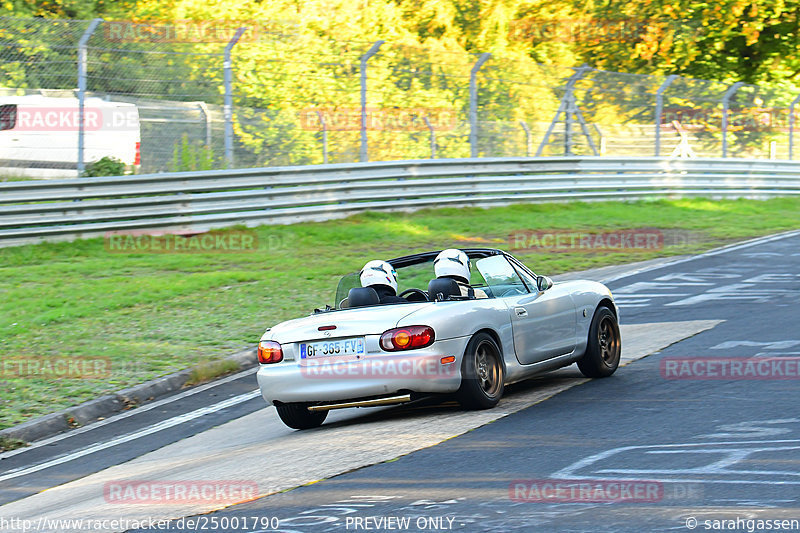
(604, 346)
(297, 415)
(481, 374)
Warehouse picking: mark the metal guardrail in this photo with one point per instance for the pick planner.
(33, 211)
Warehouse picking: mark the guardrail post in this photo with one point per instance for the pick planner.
(660, 109)
(527, 131)
(82, 72)
(364, 157)
(473, 103)
(324, 137)
(791, 126)
(433, 136)
(227, 67)
(725, 100)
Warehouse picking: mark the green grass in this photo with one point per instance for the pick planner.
(152, 314)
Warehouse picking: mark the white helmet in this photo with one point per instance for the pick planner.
(379, 273)
(452, 262)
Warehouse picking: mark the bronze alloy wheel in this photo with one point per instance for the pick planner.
(487, 368)
(482, 373)
(604, 345)
(608, 340)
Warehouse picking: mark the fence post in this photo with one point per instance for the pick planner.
(324, 137)
(527, 137)
(227, 67)
(791, 126)
(364, 156)
(207, 116)
(568, 106)
(660, 109)
(473, 104)
(572, 102)
(433, 136)
(82, 72)
(725, 100)
(602, 137)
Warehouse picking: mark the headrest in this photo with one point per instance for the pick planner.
(444, 286)
(362, 296)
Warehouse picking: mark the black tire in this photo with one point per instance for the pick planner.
(297, 415)
(604, 347)
(482, 374)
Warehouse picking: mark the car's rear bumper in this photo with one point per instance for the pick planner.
(374, 375)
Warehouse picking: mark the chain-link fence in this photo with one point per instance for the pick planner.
(196, 95)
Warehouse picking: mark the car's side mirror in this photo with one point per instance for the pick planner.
(543, 283)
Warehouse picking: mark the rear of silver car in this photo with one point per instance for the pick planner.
(328, 357)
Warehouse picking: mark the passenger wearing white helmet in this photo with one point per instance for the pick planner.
(455, 264)
(382, 277)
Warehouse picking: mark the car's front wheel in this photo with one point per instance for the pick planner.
(297, 415)
(482, 374)
(604, 346)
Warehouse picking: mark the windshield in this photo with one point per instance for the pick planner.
(500, 276)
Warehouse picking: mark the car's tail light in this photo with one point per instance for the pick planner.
(407, 338)
(269, 352)
(137, 158)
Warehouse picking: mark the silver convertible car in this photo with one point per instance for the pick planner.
(512, 324)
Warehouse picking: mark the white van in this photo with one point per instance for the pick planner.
(39, 135)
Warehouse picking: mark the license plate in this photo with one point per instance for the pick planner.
(310, 350)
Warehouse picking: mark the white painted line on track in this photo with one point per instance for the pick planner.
(718, 467)
(164, 424)
(126, 414)
(710, 253)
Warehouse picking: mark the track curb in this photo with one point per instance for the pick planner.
(90, 411)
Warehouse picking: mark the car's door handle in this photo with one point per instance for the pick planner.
(521, 311)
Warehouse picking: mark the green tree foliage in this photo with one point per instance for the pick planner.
(743, 40)
(68, 9)
(300, 57)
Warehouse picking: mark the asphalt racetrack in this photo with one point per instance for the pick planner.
(700, 430)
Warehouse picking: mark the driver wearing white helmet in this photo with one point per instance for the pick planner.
(382, 277)
(455, 264)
